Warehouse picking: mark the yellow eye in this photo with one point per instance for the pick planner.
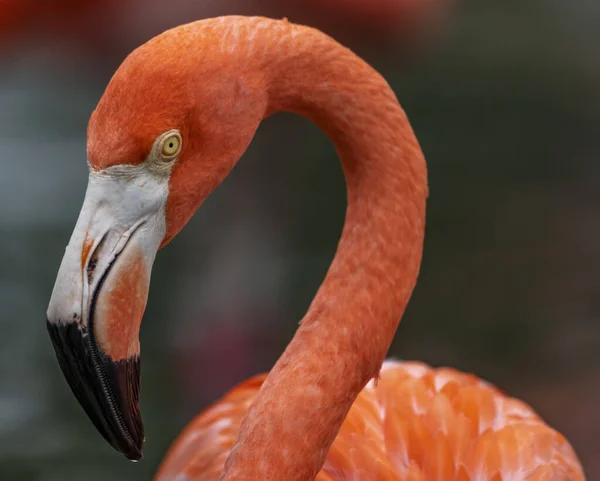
(170, 145)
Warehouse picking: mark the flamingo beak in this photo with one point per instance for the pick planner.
(99, 299)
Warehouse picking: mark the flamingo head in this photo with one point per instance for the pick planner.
(170, 126)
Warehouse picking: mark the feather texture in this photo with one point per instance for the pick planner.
(415, 423)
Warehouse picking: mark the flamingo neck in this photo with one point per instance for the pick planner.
(347, 331)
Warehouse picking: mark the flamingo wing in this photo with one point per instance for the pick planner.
(414, 423)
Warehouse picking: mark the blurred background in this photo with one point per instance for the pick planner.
(505, 99)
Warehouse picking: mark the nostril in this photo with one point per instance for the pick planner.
(94, 259)
(91, 267)
(110, 245)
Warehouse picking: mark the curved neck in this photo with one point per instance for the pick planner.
(347, 331)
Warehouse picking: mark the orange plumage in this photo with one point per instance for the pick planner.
(214, 81)
(416, 423)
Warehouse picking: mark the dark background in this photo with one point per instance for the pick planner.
(505, 99)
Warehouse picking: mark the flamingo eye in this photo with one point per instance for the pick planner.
(169, 145)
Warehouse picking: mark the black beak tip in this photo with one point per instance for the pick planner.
(135, 453)
(107, 390)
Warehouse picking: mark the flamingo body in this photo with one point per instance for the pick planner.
(416, 423)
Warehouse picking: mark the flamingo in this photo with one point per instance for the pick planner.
(172, 123)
